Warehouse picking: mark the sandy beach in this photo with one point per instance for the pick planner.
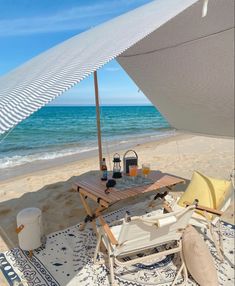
(51, 189)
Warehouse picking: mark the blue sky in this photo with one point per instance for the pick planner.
(29, 27)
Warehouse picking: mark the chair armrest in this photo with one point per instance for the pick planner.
(108, 231)
(207, 209)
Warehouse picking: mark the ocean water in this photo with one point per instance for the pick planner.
(55, 132)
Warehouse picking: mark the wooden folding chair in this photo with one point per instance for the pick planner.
(139, 234)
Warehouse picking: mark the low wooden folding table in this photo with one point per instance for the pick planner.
(90, 186)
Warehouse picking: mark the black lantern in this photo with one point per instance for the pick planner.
(116, 166)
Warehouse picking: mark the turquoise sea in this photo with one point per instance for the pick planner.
(54, 132)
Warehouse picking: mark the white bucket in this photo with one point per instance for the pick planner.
(29, 228)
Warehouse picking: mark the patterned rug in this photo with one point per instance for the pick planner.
(66, 259)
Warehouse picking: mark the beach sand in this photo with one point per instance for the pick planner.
(51, 189)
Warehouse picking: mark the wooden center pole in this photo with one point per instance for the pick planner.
(97, 104)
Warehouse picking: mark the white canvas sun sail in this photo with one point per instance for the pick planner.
(37, 82)
(186, 69)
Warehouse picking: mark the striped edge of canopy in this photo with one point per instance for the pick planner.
(182, 62)
(37, 82)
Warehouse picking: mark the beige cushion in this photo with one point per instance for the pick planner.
(198, 258)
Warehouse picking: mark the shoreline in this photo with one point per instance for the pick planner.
(115, 146)
(64, 131)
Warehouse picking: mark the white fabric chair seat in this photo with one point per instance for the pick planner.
(142, 243)
(141, 234)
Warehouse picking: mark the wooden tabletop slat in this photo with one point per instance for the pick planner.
(91, 183)
(99, 193)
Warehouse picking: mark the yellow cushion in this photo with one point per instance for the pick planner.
(210, 192)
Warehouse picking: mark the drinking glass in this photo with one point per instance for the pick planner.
(133, 171)
(146, 170)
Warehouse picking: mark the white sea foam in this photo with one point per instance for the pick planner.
(10, 162)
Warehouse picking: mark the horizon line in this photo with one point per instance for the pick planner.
(93, 105)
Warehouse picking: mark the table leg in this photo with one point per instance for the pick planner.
(99, 210)
(160, 196)
(91, 216)
(89, 213)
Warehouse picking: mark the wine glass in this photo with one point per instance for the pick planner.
(146, 170)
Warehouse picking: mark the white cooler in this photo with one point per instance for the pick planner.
(29, 228)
